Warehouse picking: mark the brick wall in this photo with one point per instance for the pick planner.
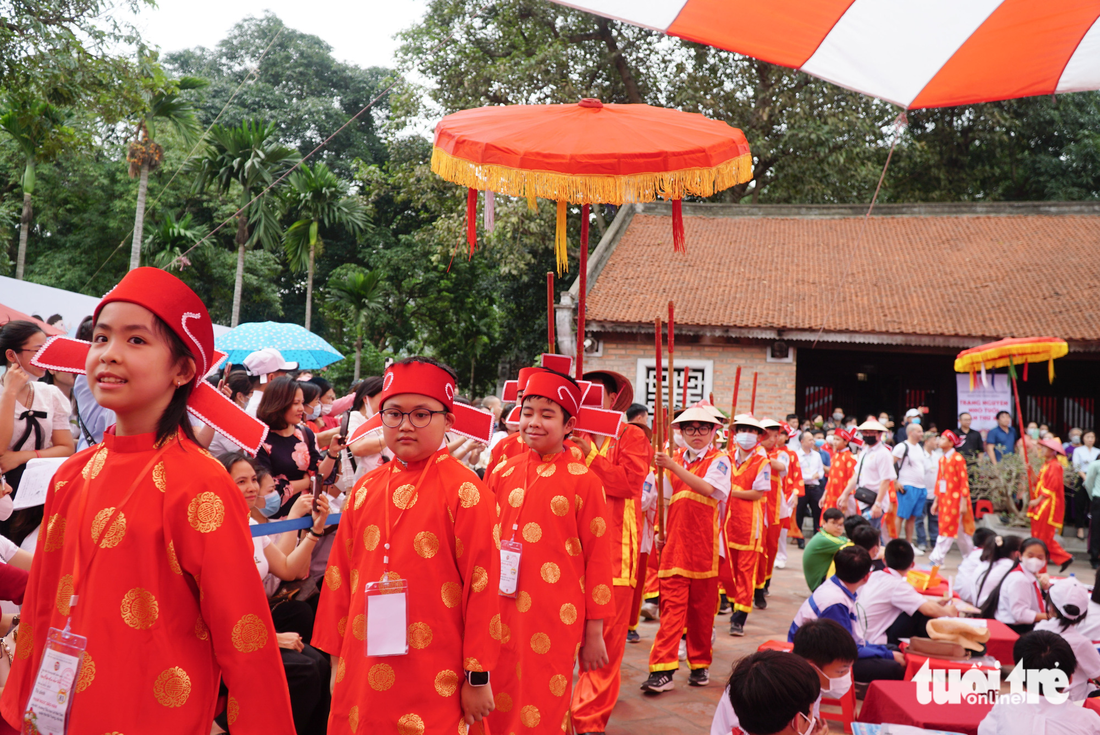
(775, 391)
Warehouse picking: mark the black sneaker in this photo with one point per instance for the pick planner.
(1066, 565)
(726, 608)
(633, 637)
(801, 543)
(758, 600)
(658, 681)
(737, 629)
(699, 677)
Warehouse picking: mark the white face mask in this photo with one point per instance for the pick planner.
(31, 377)
(746, 440)
(678, 440)
(810, 719)
(838, 687)
(1033, 564)
(326, 409)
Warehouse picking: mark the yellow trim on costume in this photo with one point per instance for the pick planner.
(664, 667)
(695, 667)
(630, 546)
(692, 495)
(679, 572)
(741, 608)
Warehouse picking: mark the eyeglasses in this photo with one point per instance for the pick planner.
(695, 430)
(419, 418)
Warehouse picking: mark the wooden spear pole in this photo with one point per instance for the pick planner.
(658, 430)
(752, 406)
(687, 374)
(671, 373)
(550, 312)
(736, 388)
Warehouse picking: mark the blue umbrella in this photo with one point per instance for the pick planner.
(297, 344)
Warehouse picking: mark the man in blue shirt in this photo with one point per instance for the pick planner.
(1001, 439)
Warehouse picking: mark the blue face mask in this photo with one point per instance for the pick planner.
(916, 421)
(819, 443)
(272, 503)
(315, 413)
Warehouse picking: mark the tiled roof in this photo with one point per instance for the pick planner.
(963, 276)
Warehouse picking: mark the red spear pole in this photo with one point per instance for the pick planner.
(736, 388)
(752, 406)
(687, 374)
(658, 432)
(550, 311)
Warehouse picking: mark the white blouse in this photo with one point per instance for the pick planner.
(48, 399)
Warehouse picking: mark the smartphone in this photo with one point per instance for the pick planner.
(315, 489)
(344, 422)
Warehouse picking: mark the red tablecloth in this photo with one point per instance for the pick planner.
(913, 662)
(1001, 640)
(895, 702)
(1093, 703)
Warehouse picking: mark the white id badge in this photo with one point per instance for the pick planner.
(51, 696)
(387, 618)
(510, 555)
(943, 487)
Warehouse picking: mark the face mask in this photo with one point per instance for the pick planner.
(316, 413)
(819, 422)
(1075, 439)
(1033, 433)
(746, 440)
(1033, 564)
(678, 440)
(272, 502)
(809, 719)
(870, 440)
(916, 421)
(819, 443)
(31, 377)
(326, 409)
(838, 417)
(838, 687)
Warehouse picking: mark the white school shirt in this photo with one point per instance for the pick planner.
(1088, 659)
(259, 544)
(915, 465)
(726, 721)
(886, 595)
(1020, 594)
(1084, 456)
(1040, 718)
(254, 402)
(982, 591)
(649, 513)
(49, 400)
(966, 578)
(1090, 626)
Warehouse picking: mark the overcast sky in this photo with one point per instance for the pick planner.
(359, 32)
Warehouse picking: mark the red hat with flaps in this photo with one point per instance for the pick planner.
(569, 396)
(183, 311)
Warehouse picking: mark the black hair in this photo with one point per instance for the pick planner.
(14, 335)
(54, 319)
(899, 555)
(610, 385)
(964, 413)
(791, 416)
(851, 522)
(84, 331)
(278, 397)
(754, 429)
(815, 432)
(768, 689)
(1096, 588)
(822, 641)
(996, 548)
(367, 388)
(321, 383)
(982, 535)
(853, 563)
(239, 384)
(1044, 649)
(505, 410)
(231, 458)
(832, 514)
(1006, 413)
(310, 391)
(1069, 615)
(1029, 542)
(565, 413)
(635, 410)
(175, 418)
(866, 536)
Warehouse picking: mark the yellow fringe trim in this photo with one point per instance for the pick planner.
(561, 241)
(1020, 353)
(593, 189)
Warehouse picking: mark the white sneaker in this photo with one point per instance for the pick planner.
(780, 564)
(650, 612)
(713, 637)
(919, 550)
(683, 656)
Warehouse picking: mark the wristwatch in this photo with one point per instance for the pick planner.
(477, 678)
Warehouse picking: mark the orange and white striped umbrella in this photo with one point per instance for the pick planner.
(931, 53)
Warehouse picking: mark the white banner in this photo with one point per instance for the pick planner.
(985, 401)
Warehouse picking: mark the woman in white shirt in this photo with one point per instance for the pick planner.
(972, 567)
(369, 453)
(1020, 604)
(1069, 603)
(1004, 555)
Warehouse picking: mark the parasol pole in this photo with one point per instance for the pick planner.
(658, 432)
(583, 290)
(550, 311)
(752, 406)
(671, 374)
(1020, 420)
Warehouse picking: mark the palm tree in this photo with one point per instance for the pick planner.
(358, 295)
(318, 199)
(162, 104)
(169, 240)
(39, 131)
(249, 156)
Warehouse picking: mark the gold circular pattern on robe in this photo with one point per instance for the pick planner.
(505, 633)
(404, 497)
(573, 546)
(568, 613)
(581, 580)
(95, 464)
(446, 683)
(576, 452)
(55, 532)
(410, 724)
(459, 547)
(601, 595)
(580, 502)
(480, 579)
(360, 496)
(530, 716)
(559, 505)
(64, 594)
(371, 536)
(380, 677)
(359, 626)
(442, 458)
(201, 631)
(206, 512)
(523, 601)
(468, 495)
(341, 669)
(540, 643)
(557, 685)
(472, 664)
(550, 572)
(508, 471)
(24, 641)
(160, 478)
(114, 534)
(232, 710)
(249, 634)
(496, 535)
(172, 687)
(576, 468)
(87, 673)
(451, 593)
(173, 560)
(451, 514)
(333, 578)
(503, 702)
(139, 609)
(598, 526)
(389, 576)
(426, 544)
(565, 722)
(354, 579)
(515, 498)
(353, 718)
(342, 625)
(420, 635)
(547, 470)
(532, 532)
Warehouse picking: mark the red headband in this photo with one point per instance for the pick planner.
(553, 387)
(185, 314)
(590, 419)
(421, 378)
(953, 438)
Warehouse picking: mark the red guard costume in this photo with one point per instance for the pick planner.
(153, 540)
(690, 563)
(1046, 517)
(953, 508)
(621, 463)
(843, 467)
(773, 508)
(434, 519)
(554, 506)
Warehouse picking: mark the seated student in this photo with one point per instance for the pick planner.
(828, 648)
(893, 607)
(1020, 601)
(1041, 649)
(971, 566)
(1090, 626)
(773, 693)
(836, 600)
(818, 554)
(863, 534)
(1069, 606)
(999, 557)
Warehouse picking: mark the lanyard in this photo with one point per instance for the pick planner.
(526, 491)
(408, 504)
(81, 571)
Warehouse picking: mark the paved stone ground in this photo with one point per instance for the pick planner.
(687, 709)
